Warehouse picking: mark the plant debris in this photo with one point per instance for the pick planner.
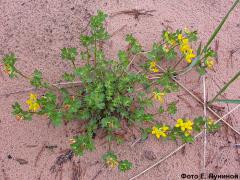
(97, 174)
(149, 155)
(60, 160)
(21, 161)
(77, 171)
(135, 13)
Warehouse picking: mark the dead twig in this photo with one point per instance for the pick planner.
(135, 13)
(62, 84)
(76, 171)
(118, 30)
(97, 174)
(60, 160)
(231, 55)
(21, 161)
(39, 155)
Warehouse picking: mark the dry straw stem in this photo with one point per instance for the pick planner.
(205, 125)
(71, 84)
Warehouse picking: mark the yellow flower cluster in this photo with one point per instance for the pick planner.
(185, 126)
(159, 96)
(186, 49)
(160, 131)
(111, 162)
(209, 63)
(153, 67)
(32, 102)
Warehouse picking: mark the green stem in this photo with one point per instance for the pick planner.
(28, 78)
(95, 53)
(21, 74)
(224, 88)
(88, 58)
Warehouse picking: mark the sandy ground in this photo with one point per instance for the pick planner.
(36, 30)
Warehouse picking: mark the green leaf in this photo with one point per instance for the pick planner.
(124, 165)
(82, 143)
(161, 110)
(56, 118)
(18, 111)
(135, 47)
(69, 53)
(98, 20)
(156, 53)
(172, 108)
(110, 123)
(86, 40)
(201, 70)
(9, 61)
(198, 123)
(145, 132)
(110, 155)
(68, 76)
(232, 101)
(123, 58)
(36, 80)
(188, 139)
(213, 127)
(171, 54)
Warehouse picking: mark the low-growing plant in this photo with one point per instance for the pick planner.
(112, 95)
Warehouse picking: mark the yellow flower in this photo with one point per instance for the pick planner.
(185, 41)
(155, 70)
(32, 102)
(180, 37)
(160, 131)
(153, 66)
(159, 96)
(189, 57)
(186, 49)
(180, 123)
(210, 122)
(184, 126)
(209, 63)
(188, 125)
(111, 162)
